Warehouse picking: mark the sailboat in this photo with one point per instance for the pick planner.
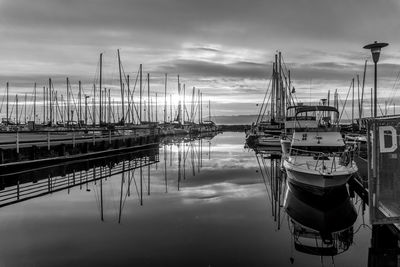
(318, 157)
(267, 129)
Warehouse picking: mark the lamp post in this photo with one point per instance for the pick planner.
(376, 51)
(373, 162)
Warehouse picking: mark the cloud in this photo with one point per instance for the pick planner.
(210, 69)
(224, 47)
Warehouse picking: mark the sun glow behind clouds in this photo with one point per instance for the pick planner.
(224, 48)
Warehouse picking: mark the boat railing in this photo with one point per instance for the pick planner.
(325, 160)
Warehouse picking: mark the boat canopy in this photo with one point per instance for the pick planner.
(302, 109)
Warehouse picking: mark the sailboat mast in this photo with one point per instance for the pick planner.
(16, 109)
(192, 105)
(198, 100)
(184, 103)
(109, 106)
(272, 115)
(148, 97)
(68, 102)
(201, 107)
(44, 105)
(209, 110)
(34, 105)
(362, 90)
(94, 105)
(25, 110)
(140, 94)
(122, 89)
(170, 107)
(179, 118)
(100, 88)
(8, 115)
(80, 103)
(86, 109)
(156, 108)
(129, 119)
(352, 107)
(165, 99)
(281, 93)
(49, 102)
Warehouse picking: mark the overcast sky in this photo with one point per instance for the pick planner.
(224, 47)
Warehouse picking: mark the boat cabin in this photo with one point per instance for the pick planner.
(310, 117)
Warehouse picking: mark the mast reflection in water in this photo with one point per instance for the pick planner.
(319, 224)
(187, 202)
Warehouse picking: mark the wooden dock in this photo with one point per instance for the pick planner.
(21, 185)
(22, 147)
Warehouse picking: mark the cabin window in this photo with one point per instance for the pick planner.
(312, 150)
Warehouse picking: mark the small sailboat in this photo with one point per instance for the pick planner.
(318, 157)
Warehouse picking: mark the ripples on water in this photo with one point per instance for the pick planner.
(203, 202)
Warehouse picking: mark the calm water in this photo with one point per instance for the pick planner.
(210, 202)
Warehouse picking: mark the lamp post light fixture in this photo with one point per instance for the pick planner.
(376, 51)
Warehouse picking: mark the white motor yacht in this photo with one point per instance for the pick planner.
(318, 155)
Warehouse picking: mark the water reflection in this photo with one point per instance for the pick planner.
(320, 225)
(133, 168)
(205, 202)
(274, 180)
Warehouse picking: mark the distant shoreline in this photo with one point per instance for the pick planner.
(234, 127)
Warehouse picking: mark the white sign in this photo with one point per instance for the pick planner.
(387, 139)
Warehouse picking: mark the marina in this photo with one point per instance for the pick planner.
(199, 133)
(185, 188)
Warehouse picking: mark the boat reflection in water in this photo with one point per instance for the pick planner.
(320, 225)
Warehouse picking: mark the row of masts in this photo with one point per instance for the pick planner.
(281, 93)
(100, 109)
(282, 96)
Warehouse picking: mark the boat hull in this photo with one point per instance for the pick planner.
(316, 179)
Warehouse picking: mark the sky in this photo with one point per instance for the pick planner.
(223, 47)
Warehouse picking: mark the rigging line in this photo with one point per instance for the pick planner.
(263, 103)
(262, 175)
(58, 108)
(131, 172)
(269, 174)
(393, 94)
(31, 106)
(2, 102)
(73, 99)
(136, 186)
(380, 108)
(97, 73)
(344, 105)
(265, 109)
(84, 96)
(132, 97)
(95, 193)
